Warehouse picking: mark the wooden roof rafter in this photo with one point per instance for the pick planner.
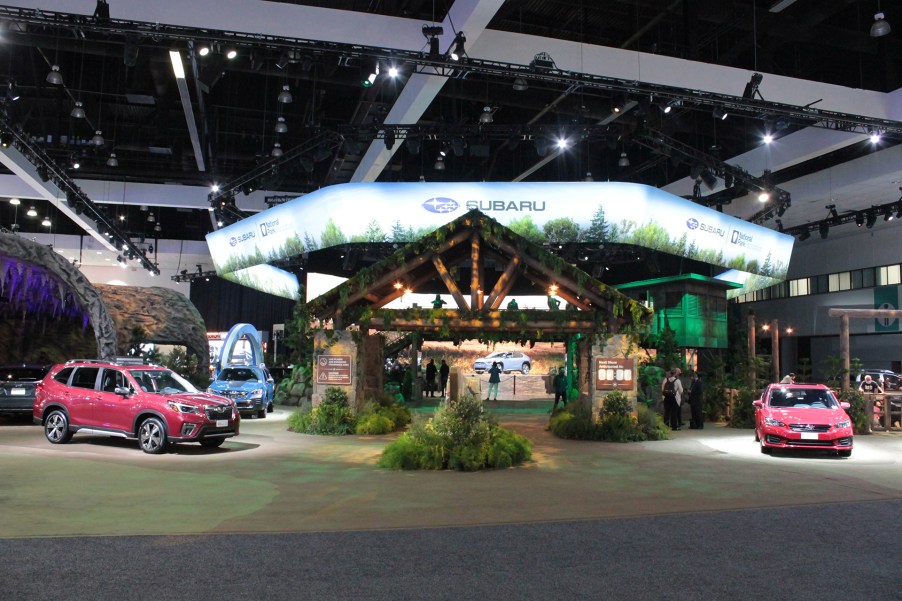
(456, 255)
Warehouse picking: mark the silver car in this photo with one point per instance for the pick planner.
(509, 361)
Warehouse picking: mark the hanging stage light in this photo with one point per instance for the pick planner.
(431, 33)
(285, 96)
(871, 219)
(54, 77)
(751, 88)
(624, 160)
(458, 52)
(369, 71)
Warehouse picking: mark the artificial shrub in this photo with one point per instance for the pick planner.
(616, 423)
(574, 422)
(620, 428)
(743, 413)
(858, 410)
(615, 403)
(652, 424)
(299, 421)
(373, 424)
(331, 417)
(459, 436)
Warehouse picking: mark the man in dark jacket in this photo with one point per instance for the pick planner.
(443, 372)
(430, 377)
(560, 388)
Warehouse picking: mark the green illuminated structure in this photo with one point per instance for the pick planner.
(693, 306)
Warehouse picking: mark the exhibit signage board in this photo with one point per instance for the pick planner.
(613, 373)
(614, 212)
(333, 370)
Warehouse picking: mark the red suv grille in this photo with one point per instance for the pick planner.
(219, 412)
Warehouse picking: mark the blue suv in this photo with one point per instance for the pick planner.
(250, 386)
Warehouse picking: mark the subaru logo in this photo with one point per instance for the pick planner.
(692, 223)
(440, 205)
(233, 241)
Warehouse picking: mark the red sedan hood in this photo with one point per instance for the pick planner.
(790, 415)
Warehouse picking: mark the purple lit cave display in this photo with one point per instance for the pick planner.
(49, 311)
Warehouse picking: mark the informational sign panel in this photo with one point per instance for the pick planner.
(334, 370)
(886, 297)
(613, 374)
(614, 212)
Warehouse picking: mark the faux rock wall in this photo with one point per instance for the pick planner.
(62, 284)
(167, 316)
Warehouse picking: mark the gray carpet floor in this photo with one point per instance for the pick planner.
(838, 552)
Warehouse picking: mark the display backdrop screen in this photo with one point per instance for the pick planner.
(568, 211)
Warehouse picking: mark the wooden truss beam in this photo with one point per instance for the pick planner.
(549, 273)
(450, 284)
(490, 321)
(503, 285)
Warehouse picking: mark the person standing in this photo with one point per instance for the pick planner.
(443, 372)
(560, 388)
(696, 400)
(430, 377)
(788, 379)
(870, 388)
(672, 392)
(494, 380)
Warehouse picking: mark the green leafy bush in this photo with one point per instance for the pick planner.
(374, 423)
(459, 436)
(508, 448)
(652, 424)
(575, 422)
(617, 423)
(616, 403)
(299, 421)
(620, 428)
(858, 410)
(331, 417)
(743, 414)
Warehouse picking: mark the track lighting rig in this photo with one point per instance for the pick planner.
(866, 217)
(318, 147)
(427, 61)
(709, 168)
(75, 198)
(192, 276)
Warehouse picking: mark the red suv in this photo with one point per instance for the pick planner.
(129, 399)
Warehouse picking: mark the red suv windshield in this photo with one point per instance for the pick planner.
(161, 381)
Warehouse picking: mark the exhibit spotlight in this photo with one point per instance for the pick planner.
(431, 33)
(285, 96)
(369, 71)
(880, 27)
(458, 52)
(871, 219)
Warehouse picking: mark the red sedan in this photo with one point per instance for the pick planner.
(802, 416)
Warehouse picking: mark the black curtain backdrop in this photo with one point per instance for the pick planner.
(223, 304)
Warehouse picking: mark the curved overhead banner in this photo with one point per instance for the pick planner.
(542, 211)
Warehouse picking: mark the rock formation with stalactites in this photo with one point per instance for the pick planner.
(165, 315)
(40, 283)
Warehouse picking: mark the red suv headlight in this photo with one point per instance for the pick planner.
(183, 407)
